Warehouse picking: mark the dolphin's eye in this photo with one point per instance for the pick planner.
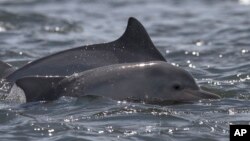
(177, 86)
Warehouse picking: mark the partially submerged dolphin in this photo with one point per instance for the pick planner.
(151, 82)
(128, 68)
(134, 45)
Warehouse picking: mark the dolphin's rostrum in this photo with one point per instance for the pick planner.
(130, 68)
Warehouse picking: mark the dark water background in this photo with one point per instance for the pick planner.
(209, 38)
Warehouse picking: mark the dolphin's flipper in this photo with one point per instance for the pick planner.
(134, 45)
(5, 69)
(39, 88)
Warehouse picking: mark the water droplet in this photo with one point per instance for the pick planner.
(212, 129)
(243, 51)
(195, 53)
(186, 129)
(199, 43)
(170, 131)
(191, 66)
(51, 130)
(66, 120)
(174, 64)
(100, 132)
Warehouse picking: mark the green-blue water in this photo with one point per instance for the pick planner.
(209, 38)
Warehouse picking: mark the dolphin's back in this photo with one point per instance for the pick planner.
(134, 45)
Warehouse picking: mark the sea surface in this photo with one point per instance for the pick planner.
(209, 38)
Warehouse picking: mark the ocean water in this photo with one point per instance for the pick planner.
(209, 38)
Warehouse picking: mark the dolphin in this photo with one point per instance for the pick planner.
(154, 82)
(129, 68)
(134, 45)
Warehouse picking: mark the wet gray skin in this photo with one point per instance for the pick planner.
(155, 82)
(150, 82)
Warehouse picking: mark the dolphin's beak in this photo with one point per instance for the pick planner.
(198, 94)
(201, 94)
(186, 96)
(208, 95)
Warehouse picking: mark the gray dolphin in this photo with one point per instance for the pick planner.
(151, 82)
(134, 45)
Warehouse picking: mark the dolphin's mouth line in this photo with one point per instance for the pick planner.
(157, 101)
(161, 102)
(201, 94)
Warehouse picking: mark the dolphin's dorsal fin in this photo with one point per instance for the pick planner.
(39, 88)
(5, 69)
(136, 37)
(134, 45)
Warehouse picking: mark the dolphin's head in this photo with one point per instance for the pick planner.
(174, 84)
